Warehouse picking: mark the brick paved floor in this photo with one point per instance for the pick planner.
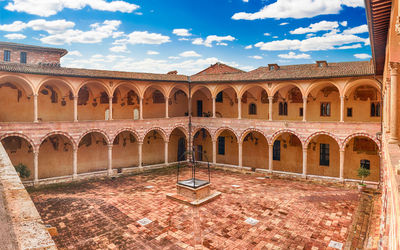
(104, 214)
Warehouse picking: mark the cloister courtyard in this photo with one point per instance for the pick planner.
(253, 212)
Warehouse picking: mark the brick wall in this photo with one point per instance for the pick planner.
(33, 57)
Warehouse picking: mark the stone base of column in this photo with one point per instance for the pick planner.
(74, 176)
(393, 141)
(110, 172)
(35, 183)
(304, 176)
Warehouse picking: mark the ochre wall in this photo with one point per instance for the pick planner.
(57, 161)
(178, 105)
(207, 102)
(206, 142)
(361, 110)
(255, 156)
(94, 157)
(89, 112)
(153, 149)
(313, 156)
(48, 111)
(231, 156)
(352, 163)
(291, 156)
(314, 107)
(173, 145)
(21, 155)
(13, 110)
(125, 153)
(150, 109)
(254, 96)
(229, 106)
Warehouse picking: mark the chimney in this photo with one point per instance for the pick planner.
(174, 72)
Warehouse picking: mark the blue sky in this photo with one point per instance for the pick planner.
(158, 36)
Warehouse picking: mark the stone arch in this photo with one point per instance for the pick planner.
(279, 86)
(21, 81)
(178, 86)
(195, 88)
(65, 134)
(275, 135)
(220, 88)
(197, 129)
(60, 80)
(247, 131)
(250, 86)
(129, 84)
(23, 136)
(158, 129)
(350, 85)
(349, 137)
(318, 84)
(136, 134)
(220, 130)
(155, 86)
(310, 137)
(181, 127)
(95, 130)
(97, 82)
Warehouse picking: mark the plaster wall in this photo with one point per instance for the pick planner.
(313, 157)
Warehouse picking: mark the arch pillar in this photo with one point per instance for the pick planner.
(140, 146)
(240, 153)
(341, 164)
(239, 108)
(141, 113)
(270, 99)
(213, 107)
(35, 108)
(270, 158)
(304, 109)
(166, 106)
(110, 99)
(35, 167)
(341, 108)
(393, 101)
(75, 163)
(109, 166)
(166, 152)
(214, 151)
(304, 175)
(75, 108)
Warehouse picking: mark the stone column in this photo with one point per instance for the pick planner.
(189, 106)
(341, 108)
(393, 102)
(239, 108)
(35, 108)
(140, 108)
(304, 175)
(214, 151)
(213, 107)
(110, 108)
(387, 108)
(109, 168)
(166, 152)
(304, 109)
(341, 163)
(270, 99)
(166, 107)
(75, 163)
(35, 168)
(140, 144)
(240, 154)
(270, 158)
(75, 108)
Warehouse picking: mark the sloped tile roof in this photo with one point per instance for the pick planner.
(62, 52)
(219, 68)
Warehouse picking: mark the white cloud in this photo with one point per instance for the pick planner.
(47, 8)
(245, 1)
(281, 24)
(362, 56)
(267, 34)
(354, 46)
(152, 52)
(74, 53)
(344, 23)
(298, 9)
(173, 57)
(181, 32)
(97, 33)
(15, 36)
(190, 53)
(51, 27)
(275, 37)
(315, 27)
(357, 30)
(143, 37)
(248, 47)
(213, 38)
(256, 57)
(292, 55)
(183, 39)
(325, 42)
(119, 48)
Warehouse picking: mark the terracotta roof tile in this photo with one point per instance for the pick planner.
(62, 52)
(219, 68)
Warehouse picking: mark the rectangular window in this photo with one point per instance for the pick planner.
(221, 145)
(283, 108)
(323, 154)
(301, 112)
(7, 55)
(22, 57)
(375, 109)
(276, 155)
(219, 97)
(325, 109)
(349, 112)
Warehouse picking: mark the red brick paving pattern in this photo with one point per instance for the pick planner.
(104, 214)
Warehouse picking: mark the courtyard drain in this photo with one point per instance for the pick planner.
(251, 221)
(335, 244)
(144, 221)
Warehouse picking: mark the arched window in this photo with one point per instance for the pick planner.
(158, 97)
(365, 164)
(276, 151)
(252, 109)
(283, 108)
(219, 97)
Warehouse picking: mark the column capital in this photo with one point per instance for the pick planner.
(397, 25)
(140, 143)
(75, 97)
(305, 150)
(35, 95)
(166, 142)
(110, 98)
(109, 146)
(394, 67)
(341, 150)
(270, 97)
